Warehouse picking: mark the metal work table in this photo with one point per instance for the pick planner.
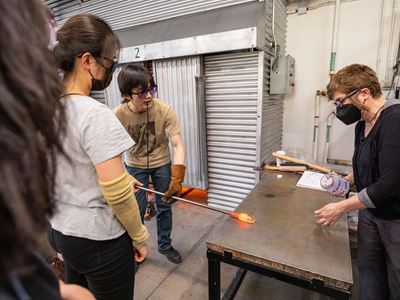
(285, 242)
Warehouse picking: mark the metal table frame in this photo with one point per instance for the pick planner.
(214, 277)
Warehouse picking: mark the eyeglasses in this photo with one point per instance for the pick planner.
(143, 94)
(339, 101)
(113, 64)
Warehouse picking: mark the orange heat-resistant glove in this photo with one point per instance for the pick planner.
(175, 187)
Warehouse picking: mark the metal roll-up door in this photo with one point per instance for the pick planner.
(113, 95)
(179, 84)
(273, 105)
(99, 96)
(231, 97)
(272, 126)
(122, 14)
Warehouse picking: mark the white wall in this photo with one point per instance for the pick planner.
(309, 39)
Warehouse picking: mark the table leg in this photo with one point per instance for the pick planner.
(235, 285)
(214, 278)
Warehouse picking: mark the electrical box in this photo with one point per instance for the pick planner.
(282, 79)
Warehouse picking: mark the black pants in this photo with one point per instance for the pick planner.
(106, 268)
(378, 257)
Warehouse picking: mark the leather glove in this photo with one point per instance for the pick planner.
(175, 186)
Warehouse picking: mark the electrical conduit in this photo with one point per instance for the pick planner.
(332, 64)
(328, 136)
(316, 126)
(332, 69)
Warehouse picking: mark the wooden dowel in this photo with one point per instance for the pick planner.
(286, 168)
(300, 161)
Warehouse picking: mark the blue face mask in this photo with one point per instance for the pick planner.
(348, 114)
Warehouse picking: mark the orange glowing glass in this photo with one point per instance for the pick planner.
(243, 217)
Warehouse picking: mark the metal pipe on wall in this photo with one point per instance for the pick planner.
(389, 62)
(332, 69)
(378, 58)
(387, 42)
(332, 64)
(316, 126)
(328, 136)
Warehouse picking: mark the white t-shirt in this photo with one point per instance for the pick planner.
(94, 135)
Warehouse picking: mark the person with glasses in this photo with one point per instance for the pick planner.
(32, 124)
(376, 176)
(96, 226)
(153, 125)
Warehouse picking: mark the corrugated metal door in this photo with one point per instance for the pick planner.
(179, 84)
(113, 95)
(99, 96)
(231, 96)
(122, 14)
(273, 105)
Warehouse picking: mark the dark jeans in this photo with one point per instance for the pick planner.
(378, 257)
(161, 178)
(106, 268)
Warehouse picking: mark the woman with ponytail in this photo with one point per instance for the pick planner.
(96, 226)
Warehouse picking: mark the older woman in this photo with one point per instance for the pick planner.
(376, 176)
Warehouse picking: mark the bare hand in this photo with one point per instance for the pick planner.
(141, 253)
(329, 214)
(74, 292)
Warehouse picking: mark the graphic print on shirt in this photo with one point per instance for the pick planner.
(139, 135)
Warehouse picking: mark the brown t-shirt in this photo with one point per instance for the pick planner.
(162, 125)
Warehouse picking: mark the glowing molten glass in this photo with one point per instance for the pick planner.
(243, 217)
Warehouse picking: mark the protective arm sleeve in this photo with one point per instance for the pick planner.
(120, 197)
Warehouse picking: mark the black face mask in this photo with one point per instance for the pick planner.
(348, 114)
(99, 85)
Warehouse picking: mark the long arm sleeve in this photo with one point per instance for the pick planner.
(120, 197)
(387, 187)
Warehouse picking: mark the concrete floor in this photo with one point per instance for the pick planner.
(157, 278)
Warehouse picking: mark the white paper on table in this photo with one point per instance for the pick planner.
(311, 180)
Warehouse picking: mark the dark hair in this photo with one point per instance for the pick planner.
(132, 76)
(354, 77)
(84, 33)
(29, 132)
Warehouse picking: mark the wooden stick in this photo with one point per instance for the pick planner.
(286, 168)
(300, 161)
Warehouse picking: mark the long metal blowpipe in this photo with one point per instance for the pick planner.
(239, 216)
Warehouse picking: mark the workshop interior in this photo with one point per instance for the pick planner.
(202, 149)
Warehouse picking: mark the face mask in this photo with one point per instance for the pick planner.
(348, 114)
(99, 85)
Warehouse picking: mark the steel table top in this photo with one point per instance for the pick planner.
(285, 235)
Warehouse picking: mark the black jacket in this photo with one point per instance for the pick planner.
(376, 162)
